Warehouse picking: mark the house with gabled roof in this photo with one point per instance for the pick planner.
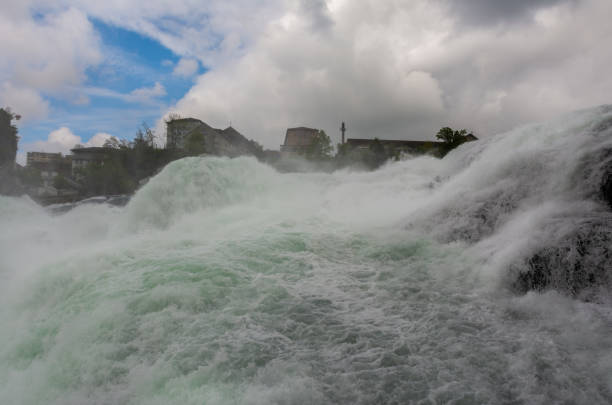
(182, 132)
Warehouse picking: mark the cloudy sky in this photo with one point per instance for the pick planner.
(79, 71)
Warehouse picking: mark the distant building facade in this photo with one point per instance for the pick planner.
(413, 147)
(298, 140)
(395, 147)
(177, 131)
(82, 157)
(50, 165)
(184, 133)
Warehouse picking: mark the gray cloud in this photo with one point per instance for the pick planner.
(404, 69)
(397, 69)
(317, 13)
(43, 56)
(488, 12)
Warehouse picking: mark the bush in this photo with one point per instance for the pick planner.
(321, 148)
(452, 138)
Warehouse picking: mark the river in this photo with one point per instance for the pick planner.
(226, 282)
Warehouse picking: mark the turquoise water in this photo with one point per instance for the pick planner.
(225, 282)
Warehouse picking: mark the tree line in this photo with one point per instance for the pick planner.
(376, 153)
(127, 164)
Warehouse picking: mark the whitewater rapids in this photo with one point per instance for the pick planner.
(226, 282)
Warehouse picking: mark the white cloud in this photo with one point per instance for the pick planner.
(320, 68)
(98, 139)
(190, 28)
(186, 67)
(147, 94)
(24, 101)
(400, 68)
(403, 69)
(61, 140)
(42, 56)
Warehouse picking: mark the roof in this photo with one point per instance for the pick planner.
(300, 136)
(232, 135)
(44, 156)
(390, 142)
(201, 127)
(91, 149)
(230, 131)
(182, 119)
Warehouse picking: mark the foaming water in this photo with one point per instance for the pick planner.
(226, 282)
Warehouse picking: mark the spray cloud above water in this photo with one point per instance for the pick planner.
(482, 277)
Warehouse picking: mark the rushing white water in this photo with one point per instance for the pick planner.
(225, 282)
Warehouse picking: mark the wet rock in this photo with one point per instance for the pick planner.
(580, 264)
(606, 185)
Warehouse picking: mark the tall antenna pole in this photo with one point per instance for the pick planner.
(343, 130)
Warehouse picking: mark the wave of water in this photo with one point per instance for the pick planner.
(226, 282)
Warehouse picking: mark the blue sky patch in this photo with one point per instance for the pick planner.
(105, 102)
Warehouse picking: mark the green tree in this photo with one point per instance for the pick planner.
(115, 143)
(173, 116)
(320, 148)
(452, 138)
(8, 136)
(449, 136)
(30, 176)
(145, 136)
(60, 182)
(195, 144)
(378, 154)
(342, 149)
(106, 178)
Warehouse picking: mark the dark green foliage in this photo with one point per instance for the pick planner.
(257, 149)
(452, 138)
(9, 184)
(106, 178)
(195, 144)
(320, 148)
(446, 134)
(8, 137)
(379, 154)
(60, 182)
(126, 165)
(342, 150)
(371, 158)
(359, 157)
(30, 176)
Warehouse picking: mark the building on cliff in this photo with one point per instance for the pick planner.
(177, 131)
(298, 140)
(83, 157)
(191, 134)
(50, 165)
(395, 147)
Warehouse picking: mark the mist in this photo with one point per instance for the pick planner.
(225, 281)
